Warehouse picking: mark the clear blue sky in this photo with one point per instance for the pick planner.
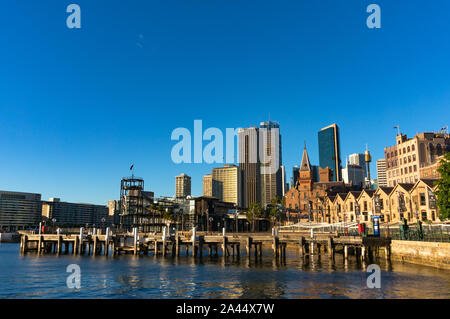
(77, 107)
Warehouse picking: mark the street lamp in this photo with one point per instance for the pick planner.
(210, 223)
(54, 221)
(103, 222)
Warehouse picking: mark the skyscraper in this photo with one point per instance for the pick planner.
(271, 162)
(207, 185)
(358, 159)
(182, 186)
(250, 165)
(329, 150)
(260, 162)
(227, 185)
(381, 172)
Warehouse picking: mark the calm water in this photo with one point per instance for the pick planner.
(33, 276)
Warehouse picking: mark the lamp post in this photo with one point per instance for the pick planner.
(103, 223)
(54, 222)
(210, 219)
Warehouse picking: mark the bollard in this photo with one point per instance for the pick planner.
(80, 250)
(135, 240)
(194, 238)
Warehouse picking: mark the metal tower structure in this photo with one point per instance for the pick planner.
(132, 213)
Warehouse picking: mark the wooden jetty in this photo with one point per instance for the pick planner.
(197, 243)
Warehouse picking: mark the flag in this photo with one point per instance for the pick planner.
(396, 126)
(131, 168)
(444, 128)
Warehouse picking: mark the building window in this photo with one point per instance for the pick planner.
(409, 149)
(423, 201)
(351, 206)
(365, 205)
(415, 168)
(413, 147)
(424, 216)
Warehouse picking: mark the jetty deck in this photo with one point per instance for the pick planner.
(199, 243)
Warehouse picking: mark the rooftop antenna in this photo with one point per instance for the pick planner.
(132, 170)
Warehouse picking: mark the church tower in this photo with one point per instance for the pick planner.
(306, 174)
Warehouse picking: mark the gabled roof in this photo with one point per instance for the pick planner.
(354, 193)
(429, 182)
(305, 165)
(341, 195)
(406, 186)
(369, 192)
(386, 190)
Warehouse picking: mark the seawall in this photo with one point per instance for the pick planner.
(424, 253)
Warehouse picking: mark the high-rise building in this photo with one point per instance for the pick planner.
(260, 161)
(271, 162)
(405, 159)
(227, 185)
(329, 150)
(358, 159)
(19, 210)
(284, 185)
(381, 172)
(354, 174)
(207, 185)
(250, 165)
(182, 186)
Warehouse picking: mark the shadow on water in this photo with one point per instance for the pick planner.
(128, 276)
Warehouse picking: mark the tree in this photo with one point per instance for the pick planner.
(169, 216)
(274, 214)
(443, 190)
(253, 213)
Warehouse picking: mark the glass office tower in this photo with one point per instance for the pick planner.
(329, 151)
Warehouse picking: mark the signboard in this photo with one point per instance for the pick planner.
(376, 225)
(401, 202)
(431, 199)
(377, 204)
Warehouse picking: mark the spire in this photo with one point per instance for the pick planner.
(305, 165)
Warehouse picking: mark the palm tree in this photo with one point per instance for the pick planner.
(253, 213)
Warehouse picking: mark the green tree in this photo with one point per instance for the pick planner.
(443, 191)
(254, 212)
(168, 215)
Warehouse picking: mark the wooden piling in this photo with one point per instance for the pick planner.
(302, 246)
(224, 246)
(249, 245)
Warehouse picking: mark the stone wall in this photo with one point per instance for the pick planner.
(419, 252)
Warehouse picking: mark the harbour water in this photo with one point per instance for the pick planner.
(127, 276)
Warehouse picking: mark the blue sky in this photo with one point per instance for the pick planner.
(79, 106)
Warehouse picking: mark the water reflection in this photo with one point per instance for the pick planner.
(309, 276)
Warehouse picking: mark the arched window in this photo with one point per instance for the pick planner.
(409, 149)
(413, 147)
